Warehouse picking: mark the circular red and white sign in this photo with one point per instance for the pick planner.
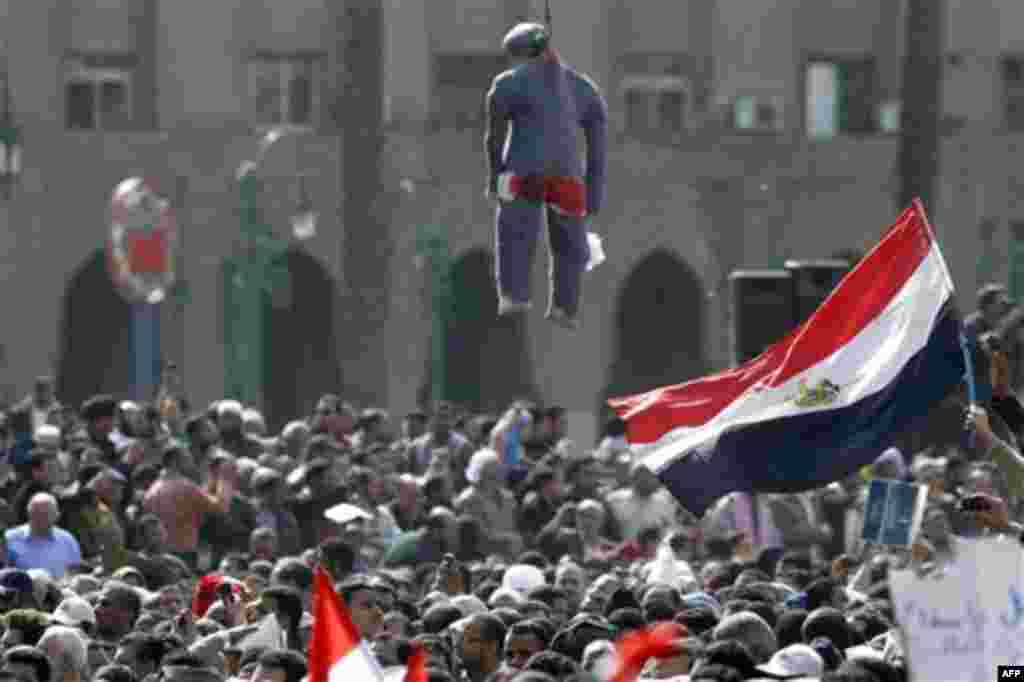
(142, 246)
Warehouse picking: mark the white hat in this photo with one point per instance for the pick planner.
(468, 604)
(600, 658)
(343, 512)
(480, 459)
(795, 660)
(522, 578)
(74, 611)
(226, 406)
(47, 436)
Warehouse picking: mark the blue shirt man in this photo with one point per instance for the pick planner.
(41, 544)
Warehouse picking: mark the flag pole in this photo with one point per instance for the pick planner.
(972, 389)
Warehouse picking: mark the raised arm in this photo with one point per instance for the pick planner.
(1009, 461)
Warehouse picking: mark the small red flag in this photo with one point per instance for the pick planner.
(416, 665)
(634, 649)
(336, 652)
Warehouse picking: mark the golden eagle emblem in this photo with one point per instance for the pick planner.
(824, 393)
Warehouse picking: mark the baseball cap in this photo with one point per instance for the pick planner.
(795, 660)
(74, 611)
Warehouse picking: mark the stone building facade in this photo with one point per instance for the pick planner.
(744, 134)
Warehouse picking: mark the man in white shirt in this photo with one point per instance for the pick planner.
(644, 504)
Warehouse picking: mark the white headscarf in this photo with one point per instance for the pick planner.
(522, 578)
(479, 460)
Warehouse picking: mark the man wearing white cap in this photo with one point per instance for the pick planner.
(491, 504)
(76, 612)
(795, 662)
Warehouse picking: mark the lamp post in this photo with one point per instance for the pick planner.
(10, 142)
(253, 275)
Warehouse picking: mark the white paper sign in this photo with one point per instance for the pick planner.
(961, 626)
(1002, 598)
(943, 626)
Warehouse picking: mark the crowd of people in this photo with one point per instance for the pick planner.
(147, 541)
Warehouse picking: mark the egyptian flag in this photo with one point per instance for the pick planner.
(336, 650)
(881, 351)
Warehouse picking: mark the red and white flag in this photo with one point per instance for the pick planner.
(634, 649)
(337, 652)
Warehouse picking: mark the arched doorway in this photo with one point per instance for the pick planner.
(659, 327)
(95, 336)
(301, 356)
(487, 359)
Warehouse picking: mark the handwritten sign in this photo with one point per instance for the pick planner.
(944, 627)
(1001, 590)
(893, 512)
(960, 626)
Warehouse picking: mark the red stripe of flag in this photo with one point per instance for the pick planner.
(861, 296)
(334, 634)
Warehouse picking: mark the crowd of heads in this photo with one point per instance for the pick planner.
(163, 542)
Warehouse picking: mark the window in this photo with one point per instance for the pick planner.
(460, 84)
(889, 113)
(748, 113)
(98, 92)
(656, 105)
(283, 89)
(656, 95)
(1013, 92)
(842, 97)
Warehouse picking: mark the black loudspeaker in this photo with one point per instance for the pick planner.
(812, 281)
(762, 310)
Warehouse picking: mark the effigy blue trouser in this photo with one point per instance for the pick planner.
(518, 226)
